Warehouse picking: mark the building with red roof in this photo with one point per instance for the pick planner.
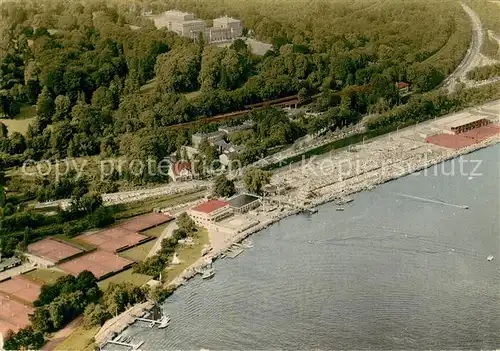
(209, 212)
(403, 87)
(180, 171)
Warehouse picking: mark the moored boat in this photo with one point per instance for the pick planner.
(208, 274)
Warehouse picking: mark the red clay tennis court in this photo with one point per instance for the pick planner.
(20, 288)
(114, 239)
(52, 250)
(13, 315)
(145, 222)
(471, 137)
(100, 263)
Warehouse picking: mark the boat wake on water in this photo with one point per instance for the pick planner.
(465, 207)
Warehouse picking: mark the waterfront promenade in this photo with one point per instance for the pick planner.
(343, 173)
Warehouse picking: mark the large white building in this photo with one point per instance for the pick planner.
(233, 25)
(187, 25)
(210, 212)
(183, 23)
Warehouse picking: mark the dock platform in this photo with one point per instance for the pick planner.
(234, 253)
(126, 344)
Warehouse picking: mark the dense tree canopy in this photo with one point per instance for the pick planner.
(255, 179)
(223, 187)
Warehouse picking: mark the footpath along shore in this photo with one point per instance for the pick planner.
(377, 162)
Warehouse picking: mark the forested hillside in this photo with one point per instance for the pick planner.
(398, 30)
(83, 66)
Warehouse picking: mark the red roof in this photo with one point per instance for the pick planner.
(401, 85)
(178, 167)
(210, 206)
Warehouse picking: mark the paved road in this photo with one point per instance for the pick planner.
(469, 61)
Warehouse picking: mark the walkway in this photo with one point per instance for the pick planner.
(473, 53)
(167, 233)
(62, 334)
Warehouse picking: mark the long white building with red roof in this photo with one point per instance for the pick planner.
(209, 212)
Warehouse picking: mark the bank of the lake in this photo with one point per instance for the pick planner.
(388, 272)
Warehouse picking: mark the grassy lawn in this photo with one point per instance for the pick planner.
(80, 339)
(26, 112)
(44, 276)
(192, 94)
(148, 87)
(125, 276)
(15, 125)
(20, 122)
(156, 231)
(188, 255)
(132, 209)
(82, 245)
(139, 252)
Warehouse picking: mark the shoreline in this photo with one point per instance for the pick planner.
(354, 185)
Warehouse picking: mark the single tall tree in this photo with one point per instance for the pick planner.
(223, 187)
(45, 107)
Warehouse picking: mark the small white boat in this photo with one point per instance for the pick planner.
(247, 244)
(164, 322)
(208, 274)
(490, 258)
(339, 209)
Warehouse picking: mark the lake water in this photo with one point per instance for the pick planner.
(389, 272)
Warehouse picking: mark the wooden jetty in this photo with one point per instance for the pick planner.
(234, 253)
(126, 344)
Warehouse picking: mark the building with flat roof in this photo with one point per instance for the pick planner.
(8, 263)
(211, 137)
(191, 29)
(178, 16)
(244, 126)
(187, 25)
(233, 25)
(209, 212)
(465, 126)
(243, 203)
(183, 23)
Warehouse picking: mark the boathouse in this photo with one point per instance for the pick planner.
(209, 212)
(243, 203)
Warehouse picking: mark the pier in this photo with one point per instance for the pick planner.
(464, 207)
(126, 344)
(234, 253)
(152, 322)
